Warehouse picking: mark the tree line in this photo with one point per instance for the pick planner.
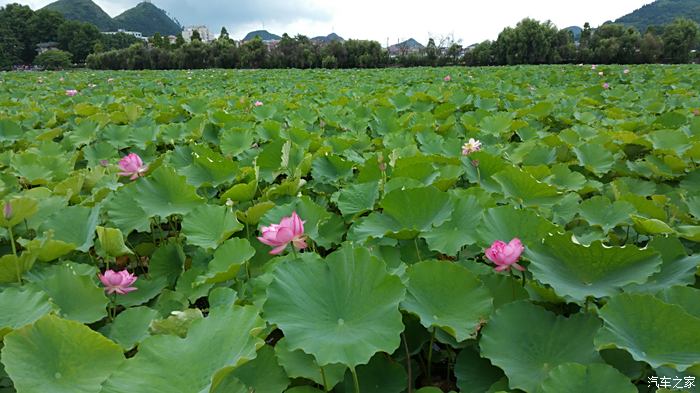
(529, 42)
(22, 29)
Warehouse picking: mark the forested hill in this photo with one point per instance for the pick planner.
(662, 12)
(83, 11)
(148, 19)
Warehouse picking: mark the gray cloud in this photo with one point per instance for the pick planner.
(217, 13)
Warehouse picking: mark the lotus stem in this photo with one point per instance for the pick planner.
(14, 251)
(408, 363)
(415, 241)
(512, 282)
(430, 355)
(522, 274)
(354, 379)
(294, 252)
(323, 378)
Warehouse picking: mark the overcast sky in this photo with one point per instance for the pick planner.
(388, 20)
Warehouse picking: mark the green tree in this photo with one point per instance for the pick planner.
(54, 59)
(431, 52)
(15, 20)
(254, 54)
(179, 41)
(615, 43)
(78, 38)
(195, 36)
(224, 34)
(679, 38)
(651, 49)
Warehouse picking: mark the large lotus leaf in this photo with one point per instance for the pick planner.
(298, 364)
(573, 377)
(405, 213)
(21, 209)
(474, 373)
(47, 249)
(167, 262)
(381, 375)
(21, 306)
(651, 330)
(457, 305)
(342, 311)
(505, 223)
(77, 296)
(59, 356)
(228, 259)
(595, 158)
(600, 211)
(110, 242)
(130, 327)
(357, 198)
(147, 289)
(262, 374)
(597, 270)
(73, 224)
(459, 231)
(164, 192)
(524, 188)
(125, 213)
(209, 167)
(13, 267)
(330, 168)
(677, 268)
(208, 226)
(527, 342)
(165, 363)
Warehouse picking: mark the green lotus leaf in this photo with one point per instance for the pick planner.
(59, 356)
(505, 223)
(164, 192)
(405, 213)
(111, 242)
(209, 167)
(74, 224)
(241, 192)
(236, 141)
(458, 305)
(208, 226)
(228, 259)
(13, 267)
(381, 375)
(524, 188)
(686, 297)
(176, 324)
(47, 249)
(10, 131)
(262, 374)
(651, 226)
(331, 168)
(130, 327)
(497, 124)
(573, 377)
(527, 342)
(595, 158)
(173, 364)
(689, 232)
(147, 289)
(167, 262)
(460, 230)
(651, 330)
(475, 374)
(357, 198)
(125, 213)
(298, 364)
(22, 306)
(77, 296)
(674, 140)
(342, 311)
(504, 289)
(600, 211)
(597, 270)
(22, 209)
(677, 268)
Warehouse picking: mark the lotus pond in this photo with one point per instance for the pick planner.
(140, 210)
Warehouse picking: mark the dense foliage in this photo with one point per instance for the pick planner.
(54, 60)
(83, 11)
(147, 19)
(661, 12)
(139, 210)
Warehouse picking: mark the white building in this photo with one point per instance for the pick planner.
(204, 33)
(136, 34)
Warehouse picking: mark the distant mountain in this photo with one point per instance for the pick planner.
(84, 11)
(327, 39)
(148, 19)
(662, 12)
(263, 34)
(408, 45)
(576, 32)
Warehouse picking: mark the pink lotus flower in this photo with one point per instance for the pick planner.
(505, 255)
(593, 67)
(289, 230)
(258, 103)
(71, 92)
(447, 78)
(7, 210)
(606, 85)
(118, 282)
(471, 146)
(132, 165)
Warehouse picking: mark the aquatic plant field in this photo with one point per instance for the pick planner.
(519, 229)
